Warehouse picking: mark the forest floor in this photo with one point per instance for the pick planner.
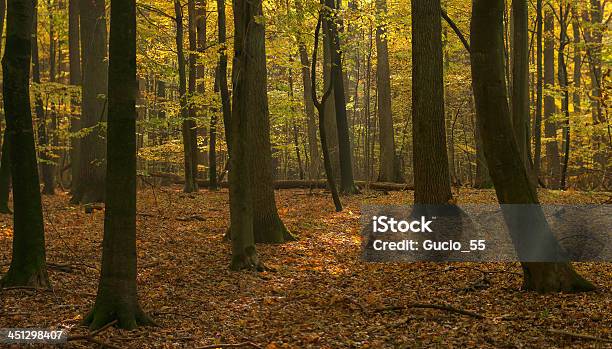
(320, 294)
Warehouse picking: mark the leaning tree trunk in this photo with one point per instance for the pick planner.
(383, 83)
(187, 124)
(267, 225)
(347, 184)
(511, 180)
(28, 264)
(244, 254)
(553, 163)
(117, 298)
(431, 172)
(92, 157)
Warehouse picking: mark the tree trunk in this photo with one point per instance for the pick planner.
(313, 148)
(331, 128)
(226, 107)
(193, 128)
(553, 168)
(520, 78)
(74, 56)
(512, 183)
(563, 85)
(117, 298)
(431, 173)
(187, 124)
(28, 264)
(267, 225)
(383, 83)
(93, 112)
(347, 184)
(5, 175)
(537, 123)
(244, 254)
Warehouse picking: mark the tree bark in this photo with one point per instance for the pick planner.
(93, 111)
(244, 254)
(28, 264)
(383, 83)
(117, 297)
(431, 172)
(193, 74)
(74, 57)
(553, 167)
(187, 124)
(520, 78)
(347, 185)
(563, 85)
(5, 175)
(226, 107)
(537, 123)
(512, 183)
(267, 225)
(313, 148)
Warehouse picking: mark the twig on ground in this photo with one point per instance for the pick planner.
(90, 337)
(235, 345)
(579, 335)
(434, 306)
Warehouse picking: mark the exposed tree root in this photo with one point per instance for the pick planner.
(235, 345)
(103, 315)
(554, 277)
(581, 336)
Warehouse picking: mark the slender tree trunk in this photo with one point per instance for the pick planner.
(331, 128)
(520, 77)
(512, 183)
(347, 184)
(553, 168)
(28, 264)
(577, 66)
(49, 169)
(74, 57)
(244, 254)
(93, 111)
(190, 181)
(537, 127)
(331, 180)
(193, 74)
(383, 82)
(117, 297)
(223, 89)
(431, 173)
(563, 84)
(313, 148)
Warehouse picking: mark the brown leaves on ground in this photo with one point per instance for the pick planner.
(319, 293)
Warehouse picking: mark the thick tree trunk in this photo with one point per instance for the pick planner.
(244, 254)
(187, 124)
(28, 264)
(553, 164)
(267, 225)
(74, 56)
(117, 298)
(431, 173)
(512, 183)
(383, 83)
(93, 111)
(347, 184)
(331, 128)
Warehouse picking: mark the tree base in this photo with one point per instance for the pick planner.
(247, 261)
(554, 277)
(35, 277)
(85, 197)
(275, 233)
(126, 318)
(352, 190)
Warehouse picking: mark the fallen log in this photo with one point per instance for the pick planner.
(295, 184)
